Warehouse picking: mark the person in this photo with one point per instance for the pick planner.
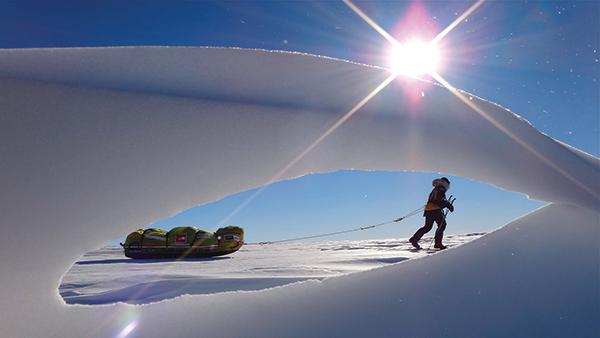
(434, 213)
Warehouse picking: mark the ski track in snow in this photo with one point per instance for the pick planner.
(106, 276)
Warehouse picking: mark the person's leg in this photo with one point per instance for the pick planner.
(423, 230)
(441, 226)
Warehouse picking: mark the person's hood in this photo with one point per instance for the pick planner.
(441, 183)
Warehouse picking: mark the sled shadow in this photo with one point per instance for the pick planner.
(149, 261)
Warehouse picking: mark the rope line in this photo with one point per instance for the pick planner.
(366, 227)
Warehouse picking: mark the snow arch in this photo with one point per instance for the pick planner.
(95, 141)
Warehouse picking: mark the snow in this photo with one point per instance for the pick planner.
(105, 276)
(94, 142)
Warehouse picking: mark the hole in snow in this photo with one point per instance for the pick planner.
(309, 205)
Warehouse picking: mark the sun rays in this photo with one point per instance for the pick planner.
(421, 58)
(409, 58)
(456, 22)
(312, 146)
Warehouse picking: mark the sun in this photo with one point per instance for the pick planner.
(414, 58)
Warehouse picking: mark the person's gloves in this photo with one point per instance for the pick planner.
(450, 207)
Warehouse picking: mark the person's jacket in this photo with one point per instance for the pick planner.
(437, 199)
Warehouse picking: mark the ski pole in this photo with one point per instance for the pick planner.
(451, 200)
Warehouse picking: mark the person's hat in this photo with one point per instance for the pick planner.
(444, 182)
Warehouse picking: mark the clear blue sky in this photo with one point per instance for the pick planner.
(540, 59)
(348, 199)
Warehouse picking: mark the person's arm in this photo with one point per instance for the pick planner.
(439, 198)
(445, 202)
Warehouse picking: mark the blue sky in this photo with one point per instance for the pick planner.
(347, 199)
(539, 59)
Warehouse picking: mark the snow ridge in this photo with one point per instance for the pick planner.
(97, 141)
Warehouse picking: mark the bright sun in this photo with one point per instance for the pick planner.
(414, 58)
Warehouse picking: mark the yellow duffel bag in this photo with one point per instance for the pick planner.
(181, 236)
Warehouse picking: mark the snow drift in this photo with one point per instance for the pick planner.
(95, 142)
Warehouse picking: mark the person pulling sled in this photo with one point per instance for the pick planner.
(434, 213)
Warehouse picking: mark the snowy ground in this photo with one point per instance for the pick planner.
(106, 276)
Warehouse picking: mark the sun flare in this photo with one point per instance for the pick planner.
(414, 58)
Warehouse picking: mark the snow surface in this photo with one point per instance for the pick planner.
(94, 142)
(106, 276)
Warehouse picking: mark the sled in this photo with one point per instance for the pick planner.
(182, 242)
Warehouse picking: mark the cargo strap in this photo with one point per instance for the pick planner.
(366, 227)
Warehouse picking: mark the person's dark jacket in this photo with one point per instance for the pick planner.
(437, 200)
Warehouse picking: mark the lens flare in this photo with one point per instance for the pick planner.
(414, 58)
(127, 330)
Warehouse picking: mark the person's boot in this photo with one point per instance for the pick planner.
(440, 246)
(414, 243)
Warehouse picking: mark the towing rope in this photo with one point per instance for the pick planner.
(366, 227)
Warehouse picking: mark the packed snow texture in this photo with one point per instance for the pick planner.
(105, 276)
(96, 142)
